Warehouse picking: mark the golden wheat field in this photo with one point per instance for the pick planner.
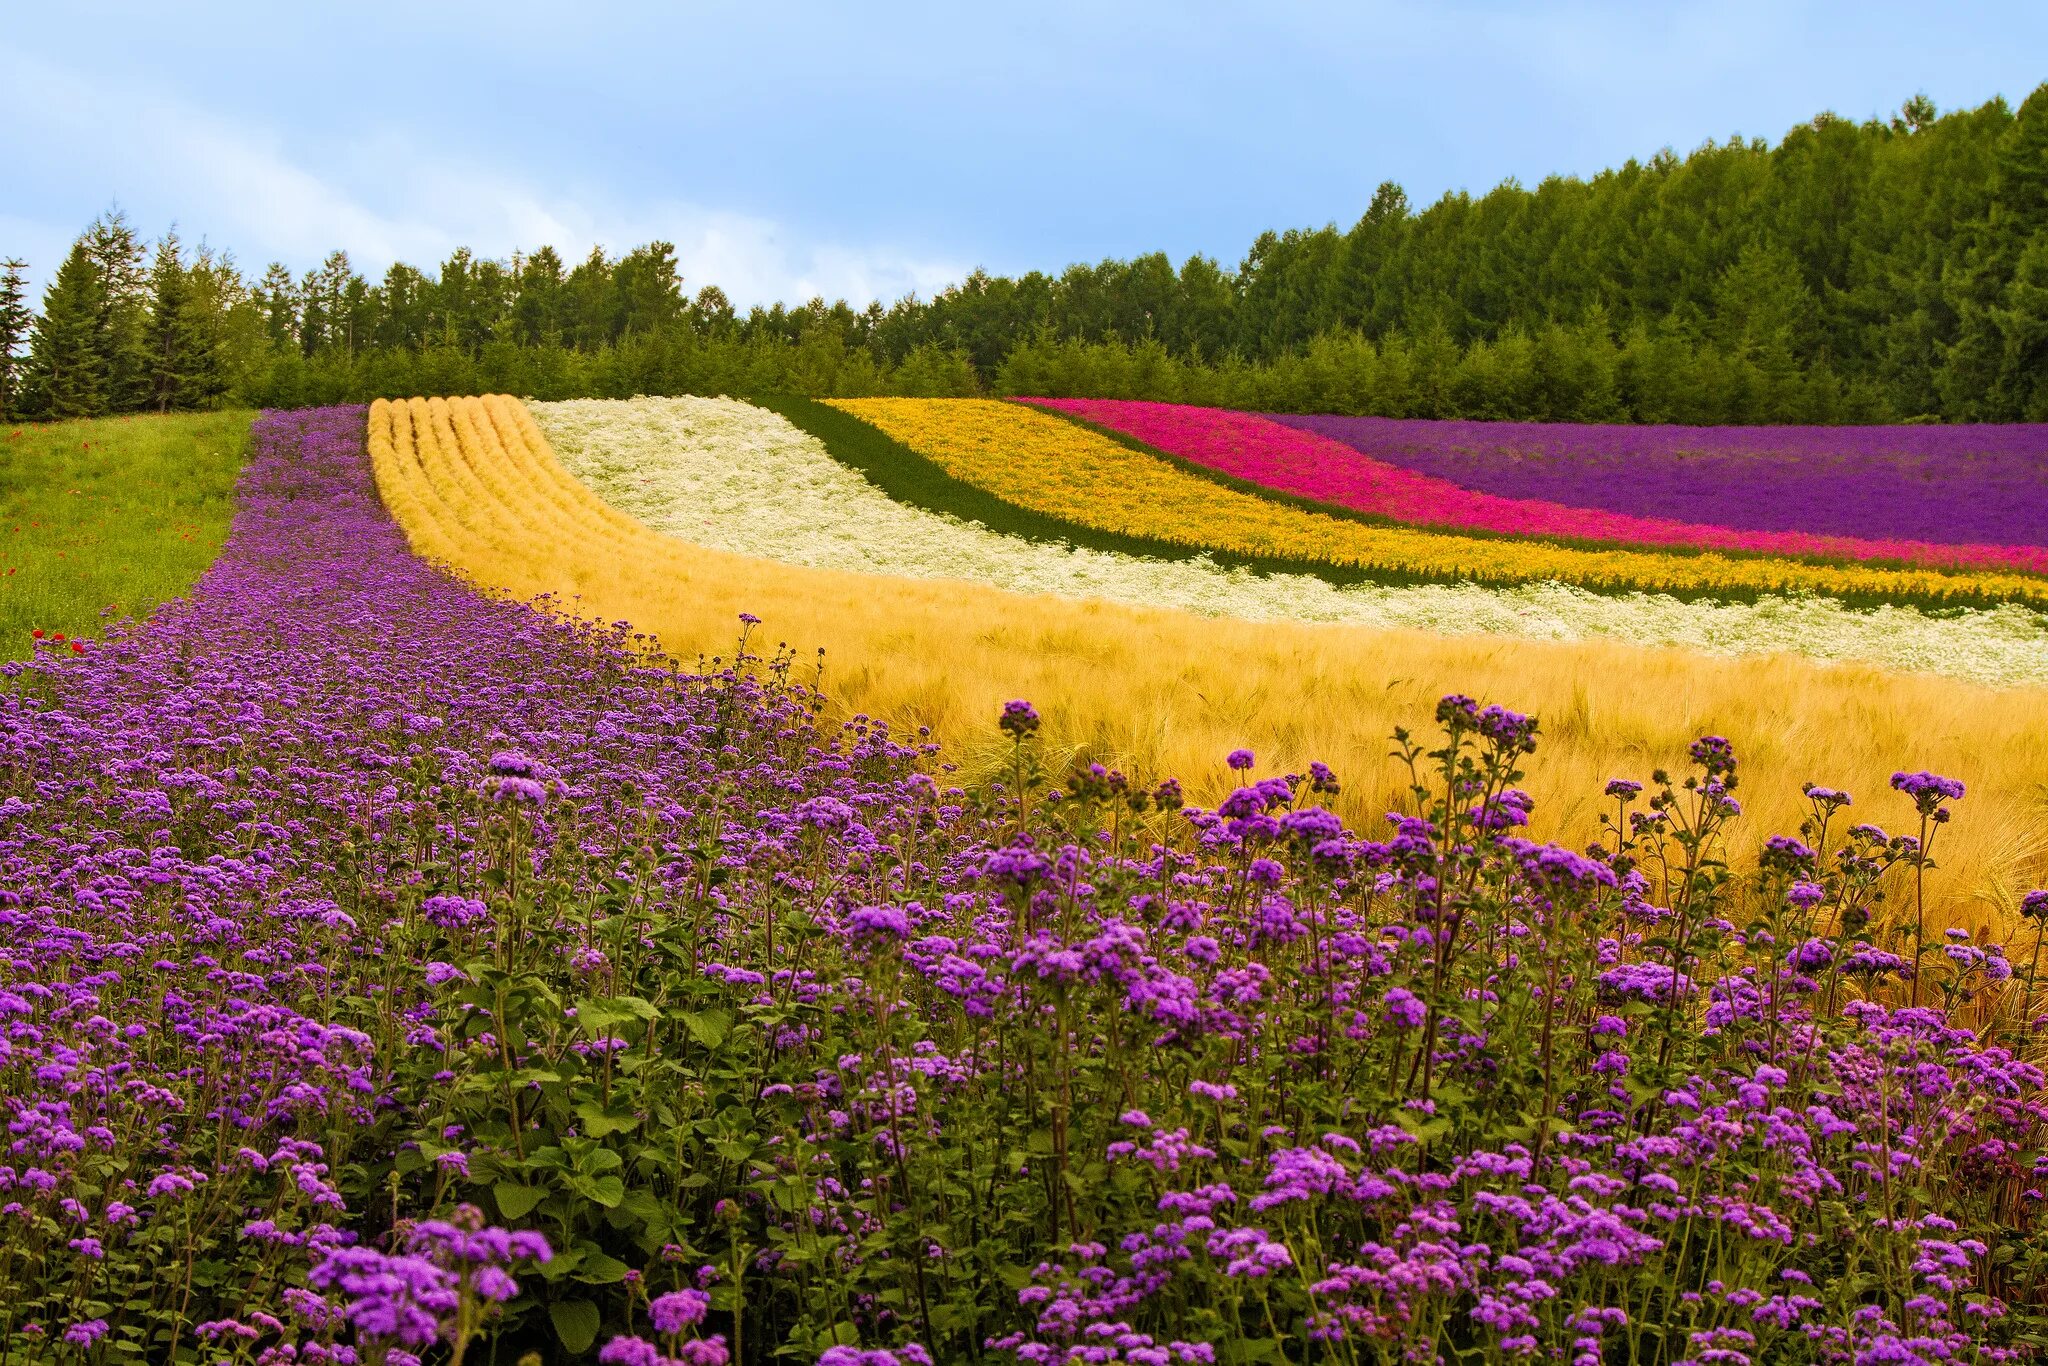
(475, 486)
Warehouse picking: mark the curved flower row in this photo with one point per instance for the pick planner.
(1043, 462)
(1293, 456)
(725, 474)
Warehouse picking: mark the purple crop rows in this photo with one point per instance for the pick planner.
(1951, 485)
(393, 974)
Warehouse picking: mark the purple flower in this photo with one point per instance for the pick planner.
(1928, 790)
(677, 1310)
(879, 922)
(1240, 759)
(629, 1351)
(519, 791)
(86, 1333)
(1405, 1009)
(1653, 982)
(1019, 720)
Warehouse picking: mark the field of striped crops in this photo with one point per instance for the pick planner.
(947, 554)
(890, 882)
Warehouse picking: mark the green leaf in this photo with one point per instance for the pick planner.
(600, 1121)
(600, 1269)
(601, 1015)
(516, 1201)
(576, 1324)
(642, 1205)
(708, 1027)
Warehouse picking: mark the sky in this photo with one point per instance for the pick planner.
(866, 150)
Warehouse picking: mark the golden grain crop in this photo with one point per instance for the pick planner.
(473, 483)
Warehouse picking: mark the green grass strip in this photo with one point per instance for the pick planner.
(119, 513)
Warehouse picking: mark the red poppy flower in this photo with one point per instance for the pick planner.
(78, 647)
(37, 633)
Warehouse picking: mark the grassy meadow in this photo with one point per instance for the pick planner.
(110, 516)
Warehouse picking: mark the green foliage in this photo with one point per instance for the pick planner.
(67, 372)
(118, 328)
(14, 325)
(114, 512)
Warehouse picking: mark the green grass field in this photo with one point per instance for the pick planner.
(119, 512)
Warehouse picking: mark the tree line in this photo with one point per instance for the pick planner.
(1890, 270)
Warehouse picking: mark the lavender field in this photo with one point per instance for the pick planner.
(398, 974)
(1951, 485)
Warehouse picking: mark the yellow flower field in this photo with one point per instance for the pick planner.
(475, 486)
(1056, 467)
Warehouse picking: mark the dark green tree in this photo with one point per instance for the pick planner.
(14, 326)
(117, 253)
(67, 372)
(170, 335)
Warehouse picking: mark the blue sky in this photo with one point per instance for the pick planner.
(863, 150)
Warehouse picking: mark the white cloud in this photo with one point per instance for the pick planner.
(380, 199)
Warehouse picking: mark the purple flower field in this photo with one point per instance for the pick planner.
(392, 974)
(1952, 485)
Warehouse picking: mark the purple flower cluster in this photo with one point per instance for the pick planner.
(1950, 485)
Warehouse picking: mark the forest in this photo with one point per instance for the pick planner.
(1883, 271)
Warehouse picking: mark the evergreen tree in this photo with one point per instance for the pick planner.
(67, 371)
(117, 255)
(223, 316)
(171, 334)
(14, 325)
(278, 297)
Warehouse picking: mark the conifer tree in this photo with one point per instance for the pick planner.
(117, 254)
(172, 332)
(277, 295)
(67, 374)
(220, 308)
(14, 325)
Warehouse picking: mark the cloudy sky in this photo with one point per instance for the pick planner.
(863, 150)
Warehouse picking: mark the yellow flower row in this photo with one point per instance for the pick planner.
(1059, 468)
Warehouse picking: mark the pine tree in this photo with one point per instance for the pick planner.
(171, 334)
(14, 325)
(278, 296)
(67, 374)
(221, 309)
(117, 254)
